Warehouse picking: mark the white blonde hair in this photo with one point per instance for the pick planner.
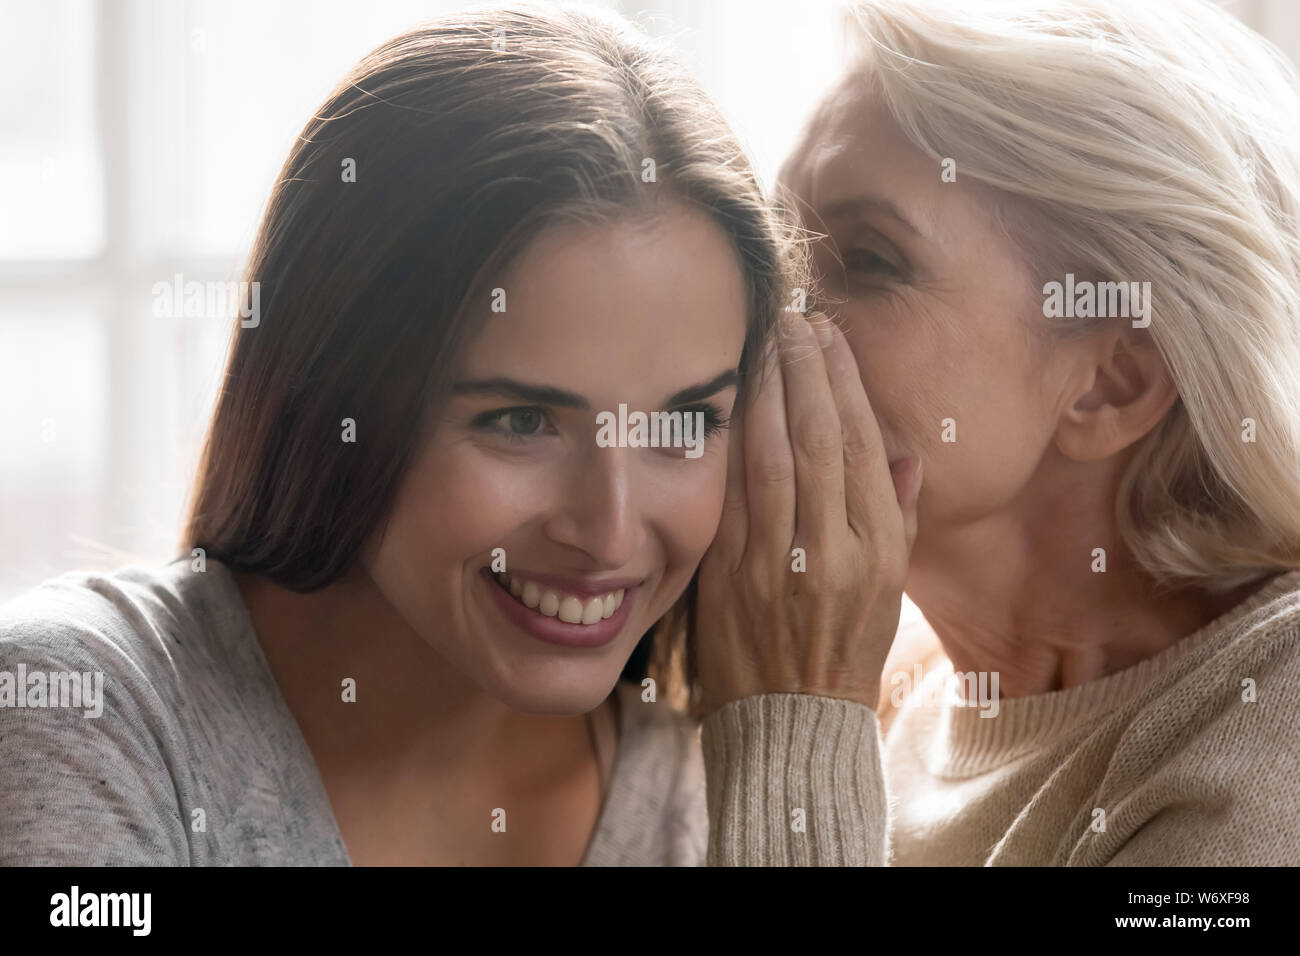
(1155, 140)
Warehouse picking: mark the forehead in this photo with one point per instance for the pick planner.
(851, 148)
(628, 304)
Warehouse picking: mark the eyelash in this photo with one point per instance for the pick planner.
(882, 264)
(488, 422)
(714, 422)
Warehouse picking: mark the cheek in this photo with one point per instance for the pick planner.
(452, 507)
(457, 504)
(964, 403)
(475, 501)
(905, 374)
(985, 447)
(690, 507)
(680, 504)
(686, 511)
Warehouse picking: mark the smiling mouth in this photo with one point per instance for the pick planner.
(550, 602)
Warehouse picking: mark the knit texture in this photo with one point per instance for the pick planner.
(1189, 758)
(1185, 769)
(794, 780)
(197, 760)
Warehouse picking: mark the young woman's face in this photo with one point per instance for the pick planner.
(597, 541)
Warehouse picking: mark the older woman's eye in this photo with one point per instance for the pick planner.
(864, 261)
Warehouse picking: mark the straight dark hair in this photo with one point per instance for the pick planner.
(465, 137)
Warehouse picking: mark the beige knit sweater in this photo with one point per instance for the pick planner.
(1190, 758)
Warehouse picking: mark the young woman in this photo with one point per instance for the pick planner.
(412, 576)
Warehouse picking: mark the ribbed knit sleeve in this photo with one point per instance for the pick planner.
(795, 780)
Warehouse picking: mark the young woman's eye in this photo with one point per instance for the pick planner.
(714, 421)
(513, 424)
(524, 421)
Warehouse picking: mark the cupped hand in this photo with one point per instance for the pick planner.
(801, 588)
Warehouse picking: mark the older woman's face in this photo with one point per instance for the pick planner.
(936, 305)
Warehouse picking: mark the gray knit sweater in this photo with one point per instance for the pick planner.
(195, 759)
(1191, 757)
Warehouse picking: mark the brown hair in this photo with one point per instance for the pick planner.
(469, 135)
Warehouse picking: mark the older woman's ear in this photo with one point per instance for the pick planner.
(1125, 391)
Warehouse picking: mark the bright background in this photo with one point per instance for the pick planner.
(140, 138)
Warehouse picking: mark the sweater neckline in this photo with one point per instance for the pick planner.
(968, 743)
(624, 716)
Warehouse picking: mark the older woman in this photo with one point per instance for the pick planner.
(1107, 528)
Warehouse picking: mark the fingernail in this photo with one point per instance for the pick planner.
(914, 489)
(907, 481)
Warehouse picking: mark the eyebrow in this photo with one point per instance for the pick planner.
(559, 398)
(698, 392)
(869, 204)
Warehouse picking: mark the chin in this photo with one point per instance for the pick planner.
(575, 693)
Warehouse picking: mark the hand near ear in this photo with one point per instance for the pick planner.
(800, 591)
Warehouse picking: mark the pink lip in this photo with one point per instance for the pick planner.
(579, 587)
(551, 629)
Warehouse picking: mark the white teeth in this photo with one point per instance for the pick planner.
(567, 607)
(571, 610)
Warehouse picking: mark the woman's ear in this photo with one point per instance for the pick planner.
(1128, 390)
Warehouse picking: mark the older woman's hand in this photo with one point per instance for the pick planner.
(801, 589)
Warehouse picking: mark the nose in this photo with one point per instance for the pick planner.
(600, 515)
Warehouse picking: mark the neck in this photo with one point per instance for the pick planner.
(412, 708)
(1022, 594)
